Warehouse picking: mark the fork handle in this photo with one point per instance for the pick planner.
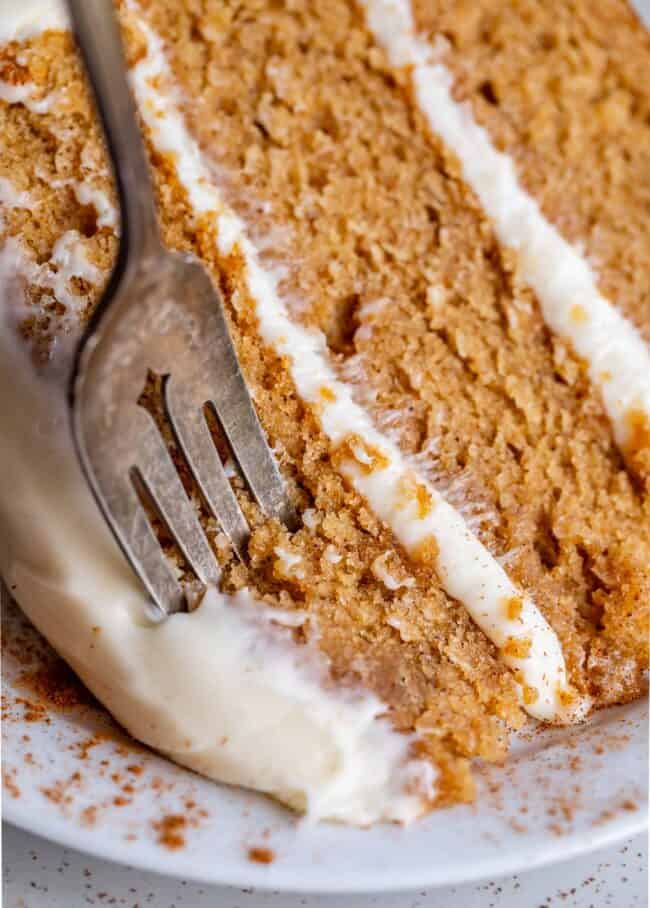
(97, 32)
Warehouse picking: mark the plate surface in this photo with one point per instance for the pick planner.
(70, 774)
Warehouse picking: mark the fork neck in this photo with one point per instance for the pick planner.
(98, 36)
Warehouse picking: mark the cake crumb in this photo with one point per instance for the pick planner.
(513, 607)
(517, 647)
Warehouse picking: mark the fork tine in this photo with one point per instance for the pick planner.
(130, 524)
(251, 451)
(241, 426)
(193, 436)
(163, 484)
(147, 557)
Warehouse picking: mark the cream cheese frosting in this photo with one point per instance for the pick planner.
(20, 21)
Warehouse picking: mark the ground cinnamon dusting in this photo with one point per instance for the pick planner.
(89, 816)
(28, 660)
(57, 686)
(10, 785)
(171, 831)
(32, 711)
(261, 855)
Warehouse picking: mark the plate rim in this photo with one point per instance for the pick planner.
(281, 877)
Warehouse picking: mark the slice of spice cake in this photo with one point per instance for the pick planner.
(418, 340)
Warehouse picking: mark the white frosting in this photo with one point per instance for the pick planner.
(68, 260)
(24, 94)
(332, 554)
(90, 195)
(381, 571)
(11, 197)
(69, 257)
(23, 19)
(310, 518)
(467, 570)
(573, 307)
(87, 193)
(289, 562)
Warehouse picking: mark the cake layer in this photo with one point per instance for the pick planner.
(616, 356)
(564, 90)
(334, 169)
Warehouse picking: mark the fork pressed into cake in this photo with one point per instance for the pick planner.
(161, 313)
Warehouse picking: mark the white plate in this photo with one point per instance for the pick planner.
(562, 792)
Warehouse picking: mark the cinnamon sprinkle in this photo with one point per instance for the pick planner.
(260, 854)
(170, 831)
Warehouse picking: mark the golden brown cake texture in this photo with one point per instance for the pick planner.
(564, 88)
(318, 145)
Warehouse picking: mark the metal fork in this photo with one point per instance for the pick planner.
(160, 313)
